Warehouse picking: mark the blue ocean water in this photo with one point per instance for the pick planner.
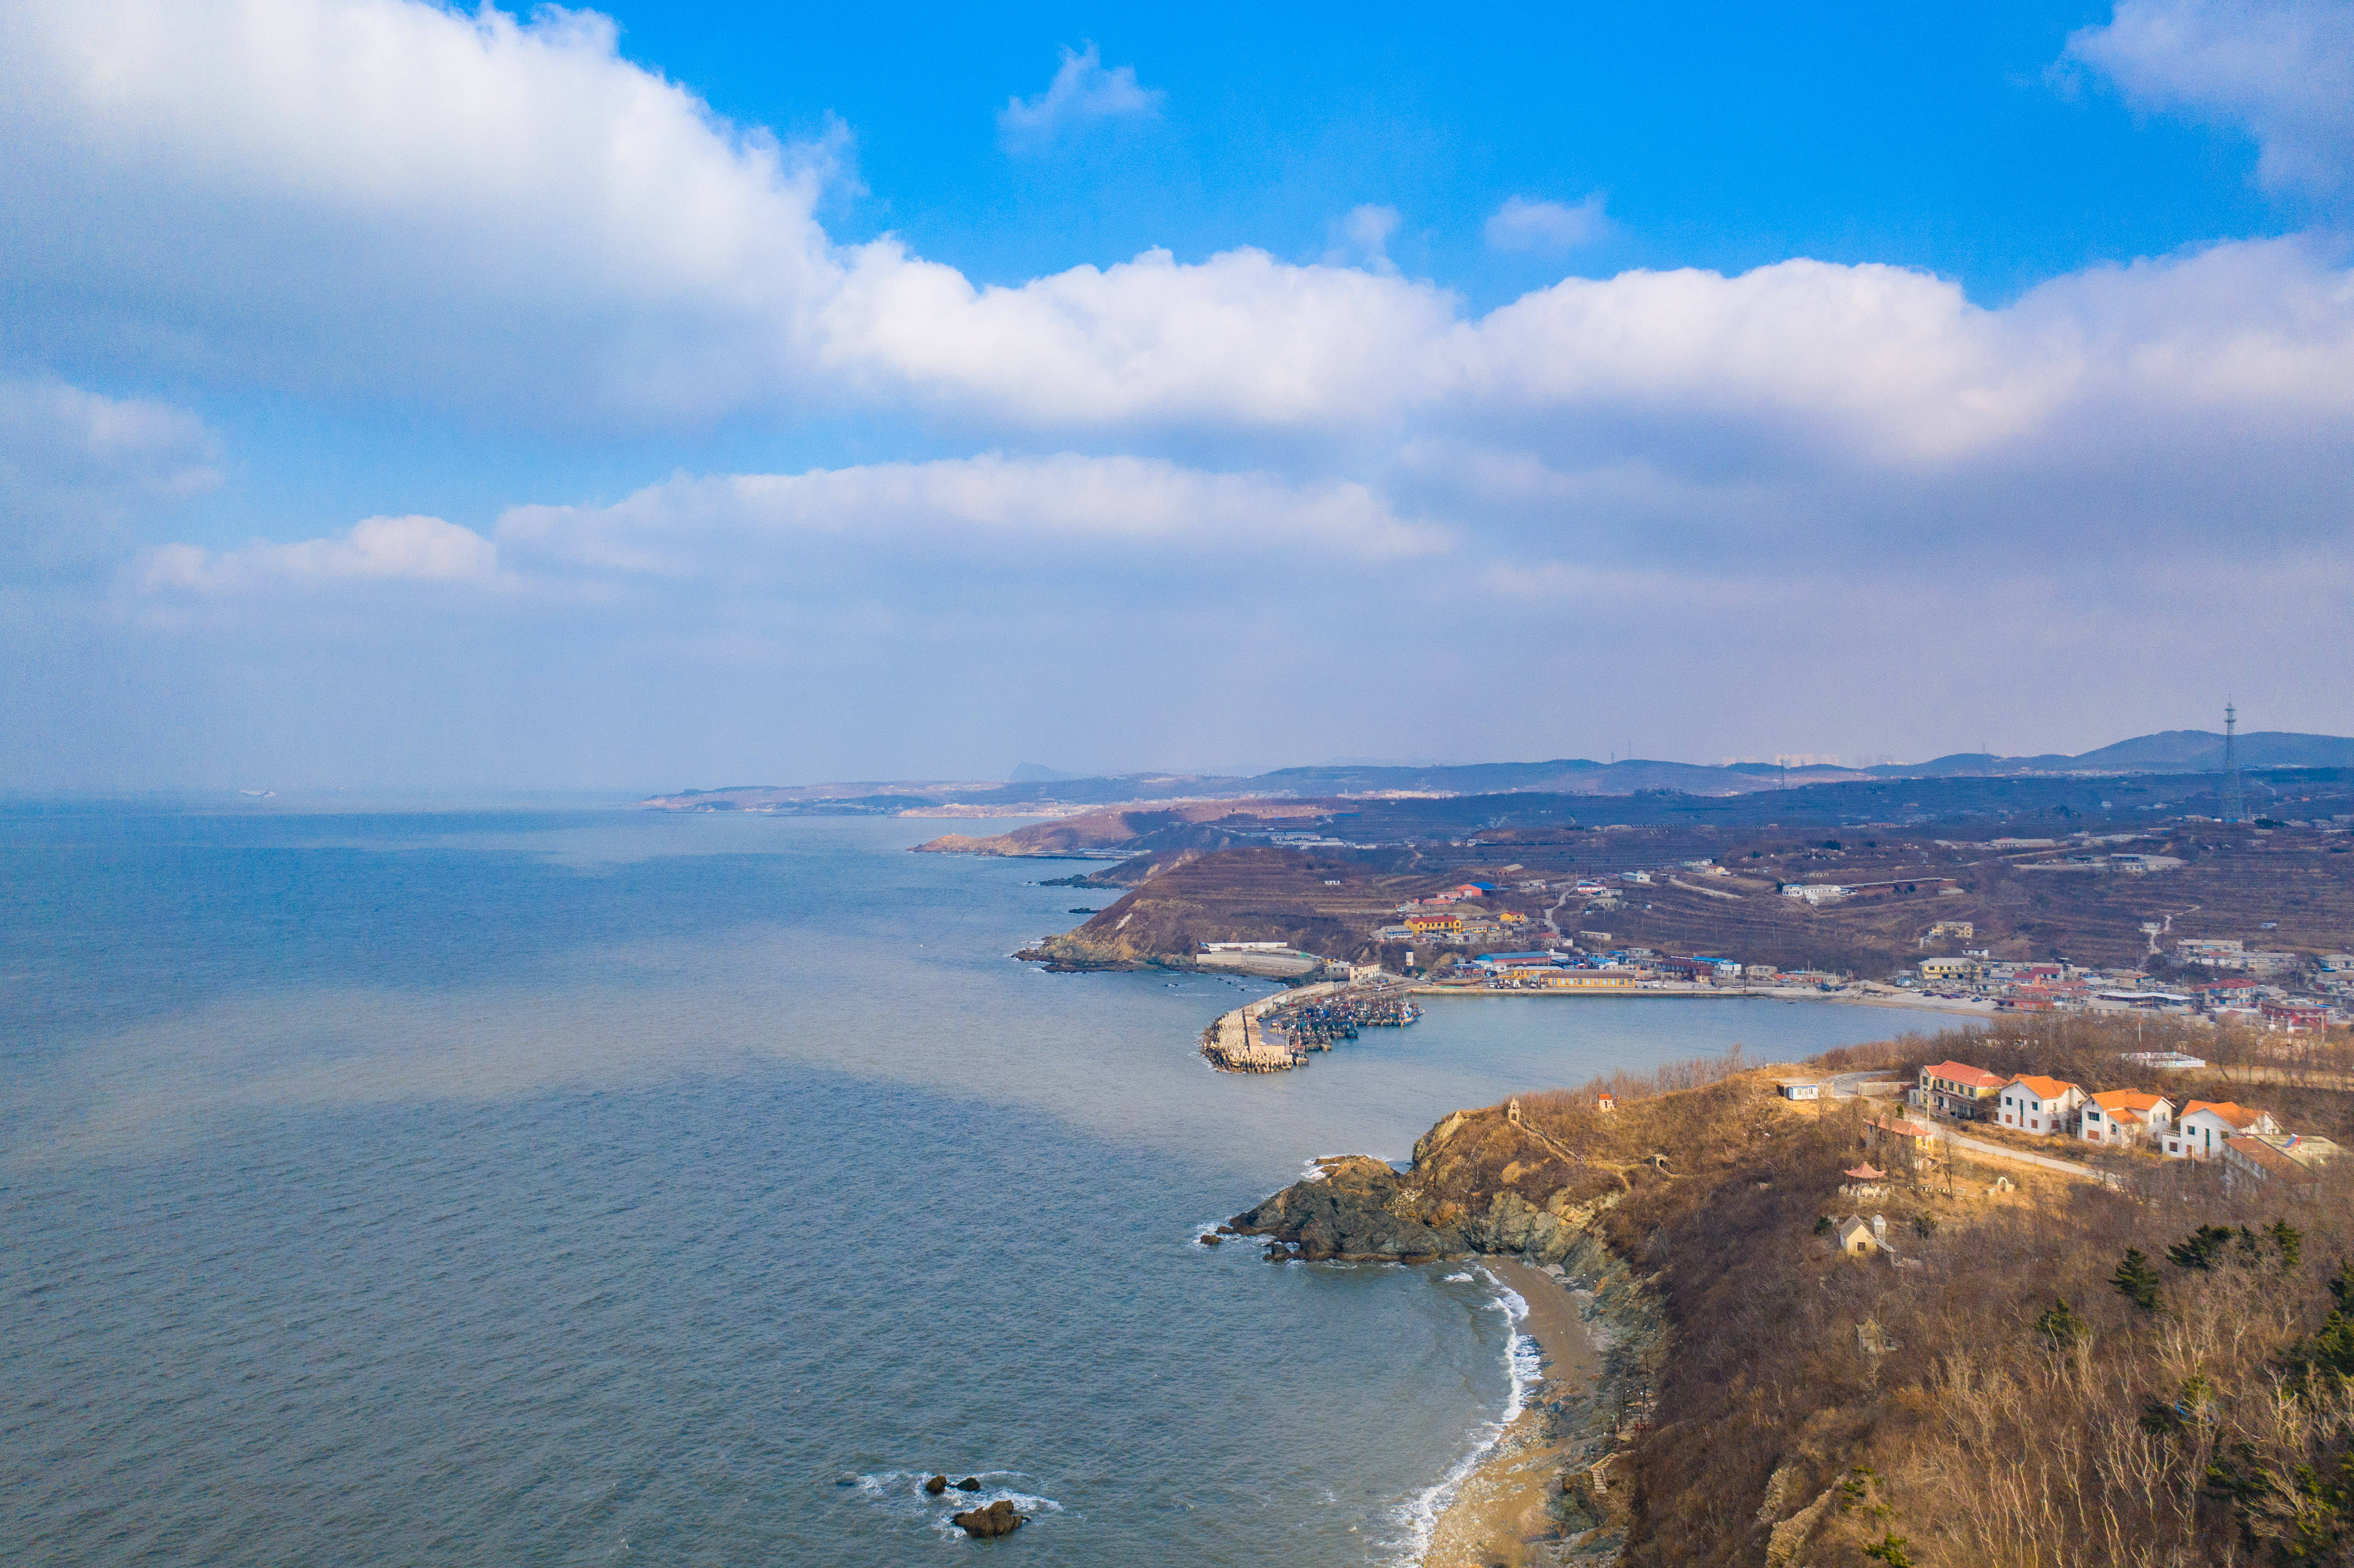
(594, 1186)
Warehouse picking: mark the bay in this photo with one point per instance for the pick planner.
(573, 1186)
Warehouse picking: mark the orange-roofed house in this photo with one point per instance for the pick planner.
(2206, 1126)
(2126, 1116)
(1910, 1140)
(1957, 1090)
(2032, 1103)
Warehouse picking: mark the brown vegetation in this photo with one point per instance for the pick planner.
(1998, 1400)
(1914, 878)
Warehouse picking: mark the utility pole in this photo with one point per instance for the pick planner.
(2234, 801)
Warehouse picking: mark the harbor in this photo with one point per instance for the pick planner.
(1275, 1034)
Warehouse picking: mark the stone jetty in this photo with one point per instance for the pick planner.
(1272, 1034)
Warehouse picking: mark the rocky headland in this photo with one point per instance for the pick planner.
(1988, 1377)
(1489, 1184)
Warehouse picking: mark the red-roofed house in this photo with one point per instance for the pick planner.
(2032, 1103)
(2305, 1017)
(1958, 1089)
(2205, 1126)
(1895, 1131)
(2126, 1116)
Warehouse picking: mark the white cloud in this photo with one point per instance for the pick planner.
(377, 549)
(75, 464)
(383, 200)
(406, 206)
(1082, 94)
(372, 199)
(1525, 225)
(1066, 506)
(2282, 68)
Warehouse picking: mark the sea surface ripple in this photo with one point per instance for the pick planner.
(593, 1186)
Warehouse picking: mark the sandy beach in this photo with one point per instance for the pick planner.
(1500, 1515)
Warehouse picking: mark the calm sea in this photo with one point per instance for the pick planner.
(584, 1187)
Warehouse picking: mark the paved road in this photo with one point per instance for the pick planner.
(1847, 1085)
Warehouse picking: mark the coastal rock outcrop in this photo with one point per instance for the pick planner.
(1000, 1518)
(937, 1485)
(1359, 1210)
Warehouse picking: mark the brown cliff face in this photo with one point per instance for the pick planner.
(1486, 1180)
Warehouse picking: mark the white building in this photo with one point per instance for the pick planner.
(2206, 1126)
(2125, 1116)
(2031, 1103)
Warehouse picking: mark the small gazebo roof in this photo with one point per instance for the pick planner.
(1866, 1173)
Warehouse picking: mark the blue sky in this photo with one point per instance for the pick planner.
(1725, 136)
(682, 394)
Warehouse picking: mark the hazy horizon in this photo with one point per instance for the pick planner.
(557, 791)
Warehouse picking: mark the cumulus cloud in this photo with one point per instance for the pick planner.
(2283, 69)
(363, 199)
(399, 205)
(1525, 225)
(376, 549)
(75, 464)
(377, 199)
(1082, 94)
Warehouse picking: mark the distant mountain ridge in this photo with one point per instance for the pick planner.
(2168, 751)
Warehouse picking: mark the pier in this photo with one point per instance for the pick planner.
(1275, 1034)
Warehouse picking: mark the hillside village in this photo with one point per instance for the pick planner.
(2247, 923)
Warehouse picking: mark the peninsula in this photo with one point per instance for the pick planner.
(1976, 894)
(1834, 1329)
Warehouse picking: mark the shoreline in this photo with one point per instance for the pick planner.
(1501, 1512)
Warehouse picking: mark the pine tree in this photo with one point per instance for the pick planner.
(2201, 1248)
(2061, 1327)
(2290, 1240)
(2136, 1281)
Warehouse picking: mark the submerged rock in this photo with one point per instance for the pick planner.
(969, 1484)
(1000, 1518)
(937, 1485)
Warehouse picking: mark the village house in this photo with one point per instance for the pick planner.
(2206, 1126)
(1798, 1088)
(2126, 1116)
(1957, 1090)
(2278, 1158)
(1855, 1237)
(2304, 1017)
(1894, 1132)
(2039, 1105)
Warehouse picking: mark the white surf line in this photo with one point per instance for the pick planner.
(1422, 1511)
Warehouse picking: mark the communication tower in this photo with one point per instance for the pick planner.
(2234, 804)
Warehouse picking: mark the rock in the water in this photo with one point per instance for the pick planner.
(999, 1518)
(969, 1484)
(937, 1485)
(1208, 1240)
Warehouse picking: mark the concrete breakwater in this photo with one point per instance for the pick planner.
(1275, 1034)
